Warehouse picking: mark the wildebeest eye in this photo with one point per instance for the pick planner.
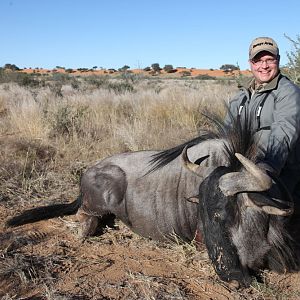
(193, 199)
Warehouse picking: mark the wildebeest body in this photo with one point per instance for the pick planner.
(153, 204)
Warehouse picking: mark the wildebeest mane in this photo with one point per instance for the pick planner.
(236, 134)
(164, 157)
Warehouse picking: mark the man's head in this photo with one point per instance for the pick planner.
(264, 59)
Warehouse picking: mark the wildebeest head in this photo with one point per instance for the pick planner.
(243, 223)
(242, 209)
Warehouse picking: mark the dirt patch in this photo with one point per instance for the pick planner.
(47, 261)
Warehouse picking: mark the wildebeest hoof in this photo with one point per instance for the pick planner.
(234, 285)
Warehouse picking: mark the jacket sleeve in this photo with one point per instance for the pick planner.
(285, 129)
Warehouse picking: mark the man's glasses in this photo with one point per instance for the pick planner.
(259, 63)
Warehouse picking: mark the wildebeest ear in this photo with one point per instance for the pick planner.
(250, 179)
(201, 159)
(199, 170)
(270, 205)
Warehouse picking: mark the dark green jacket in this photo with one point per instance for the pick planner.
(278, 127)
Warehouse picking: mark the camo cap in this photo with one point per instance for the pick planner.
(263, 44)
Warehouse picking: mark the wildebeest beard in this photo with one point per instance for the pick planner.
(217, 213)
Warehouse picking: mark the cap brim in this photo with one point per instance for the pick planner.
(254, 53)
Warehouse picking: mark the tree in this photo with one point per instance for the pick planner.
(124, 68)
(155, 67)
(229, 68)
(293, 65)
(11, 67)
(169, 69)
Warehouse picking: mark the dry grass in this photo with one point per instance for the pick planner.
(47, 139)
(86, 125)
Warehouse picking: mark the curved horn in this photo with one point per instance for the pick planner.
(251, 179)
(263, 179)
(200, 171)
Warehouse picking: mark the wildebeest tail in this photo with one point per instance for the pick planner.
(44, 213)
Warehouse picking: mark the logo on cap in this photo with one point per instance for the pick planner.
(263, 44)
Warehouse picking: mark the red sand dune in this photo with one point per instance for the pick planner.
(179, 73)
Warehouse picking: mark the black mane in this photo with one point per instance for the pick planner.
(237, 136)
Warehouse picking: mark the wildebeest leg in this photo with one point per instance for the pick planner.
(88, 223)
(103, 190)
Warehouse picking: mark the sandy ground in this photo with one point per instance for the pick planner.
(46, 260)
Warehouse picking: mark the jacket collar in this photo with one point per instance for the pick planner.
(249, 82)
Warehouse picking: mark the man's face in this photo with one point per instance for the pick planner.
(264, 67)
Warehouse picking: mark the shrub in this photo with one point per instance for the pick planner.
(120, 87)
(61, 77)
(293, 65)
(185, 73)
(30, 81)
(205, 77)
(56, 89)
(20, 78)
(68, 120)
(97, 81)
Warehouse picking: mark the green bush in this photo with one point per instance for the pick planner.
(205, 77)
(120, 87)
(68, 120)
(61, 77)
(29, 80)
(293, 65)
(96, 81)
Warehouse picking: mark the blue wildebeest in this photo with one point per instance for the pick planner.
(243, 226)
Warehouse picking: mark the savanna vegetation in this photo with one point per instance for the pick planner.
(51, 128)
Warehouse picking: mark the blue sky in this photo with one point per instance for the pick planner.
(137, 33)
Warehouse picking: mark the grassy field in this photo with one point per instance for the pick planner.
(49, 133)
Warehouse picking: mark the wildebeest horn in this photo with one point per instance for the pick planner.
(201, 171)
(251, 179)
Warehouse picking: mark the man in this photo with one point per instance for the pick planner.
(272, 104)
